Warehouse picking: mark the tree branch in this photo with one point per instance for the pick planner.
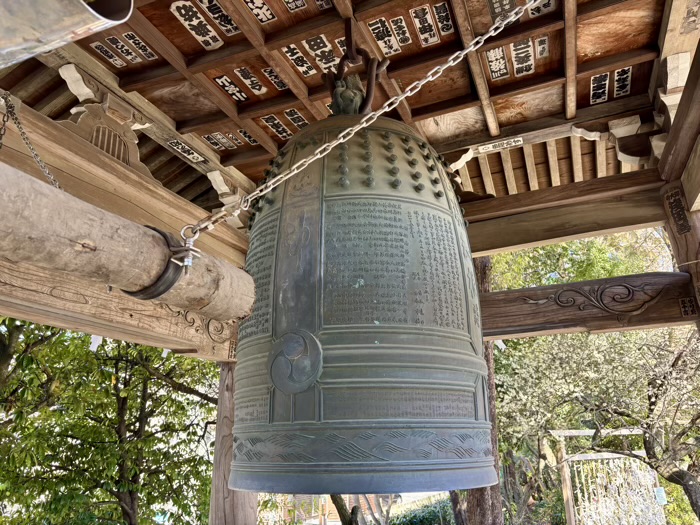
(176, 385)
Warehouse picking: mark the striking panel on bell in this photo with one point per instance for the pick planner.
(361, 368)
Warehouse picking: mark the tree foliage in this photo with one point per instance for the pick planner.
(642, 379)
(116, 433)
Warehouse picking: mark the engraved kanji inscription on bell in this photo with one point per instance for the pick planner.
(361, 368)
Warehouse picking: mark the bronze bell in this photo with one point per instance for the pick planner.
(361, 369)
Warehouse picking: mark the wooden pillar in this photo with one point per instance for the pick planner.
(566, 486)
(228, 507)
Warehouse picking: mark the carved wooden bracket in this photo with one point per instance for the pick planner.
(620, 303)
(105, 121)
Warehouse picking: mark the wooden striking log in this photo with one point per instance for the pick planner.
(631, 302)
(228, 507)
(50, 229)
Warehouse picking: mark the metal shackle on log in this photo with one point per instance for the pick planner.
(47, 228)
(361, 368)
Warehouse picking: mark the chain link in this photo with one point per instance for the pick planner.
(234, 210)
(11, 113)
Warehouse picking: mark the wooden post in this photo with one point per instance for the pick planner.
(50, 229)
(228, 507)
(566, 486)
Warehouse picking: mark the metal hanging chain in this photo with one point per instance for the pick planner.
(190, 232)
(11, 113)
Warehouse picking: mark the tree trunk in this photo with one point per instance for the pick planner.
(483, 506)
(692, 490)
(228, 507)
(459, 506)
(346, 517)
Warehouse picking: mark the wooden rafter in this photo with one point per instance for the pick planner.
(570, 58)
(251, 29)
(139, 23)
(475, 68)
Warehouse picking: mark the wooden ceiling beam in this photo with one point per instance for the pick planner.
(610, 63)
(444, 107)
(685, 128)
(527, 85)
(203, 122)
(570, 57)
(474, 65)
(261, 108)
(142, 26)
(249, 156)
(642, 209)
(554, 127)
(523, 30)
(57, 102)
(250, 27)
(227, 55)
(150, 78)
(422, 63)
(596, 8)
(326, 23)
(196, 188)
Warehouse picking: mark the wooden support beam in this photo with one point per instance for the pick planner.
(576, 161)
(596, 8)
(48, 228)
(530, 167)
(90, 174)
(558, 126)
(444, 107)
(149, 78)
(59, 300)
(553, 161)
(466, 32)
(228, 507)
(525, 29)
(570, 57)
(565, 223)
(685, 129)
(589, 191)
(632, 302)
(508, 172)
(610, 63)
(202, 122)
